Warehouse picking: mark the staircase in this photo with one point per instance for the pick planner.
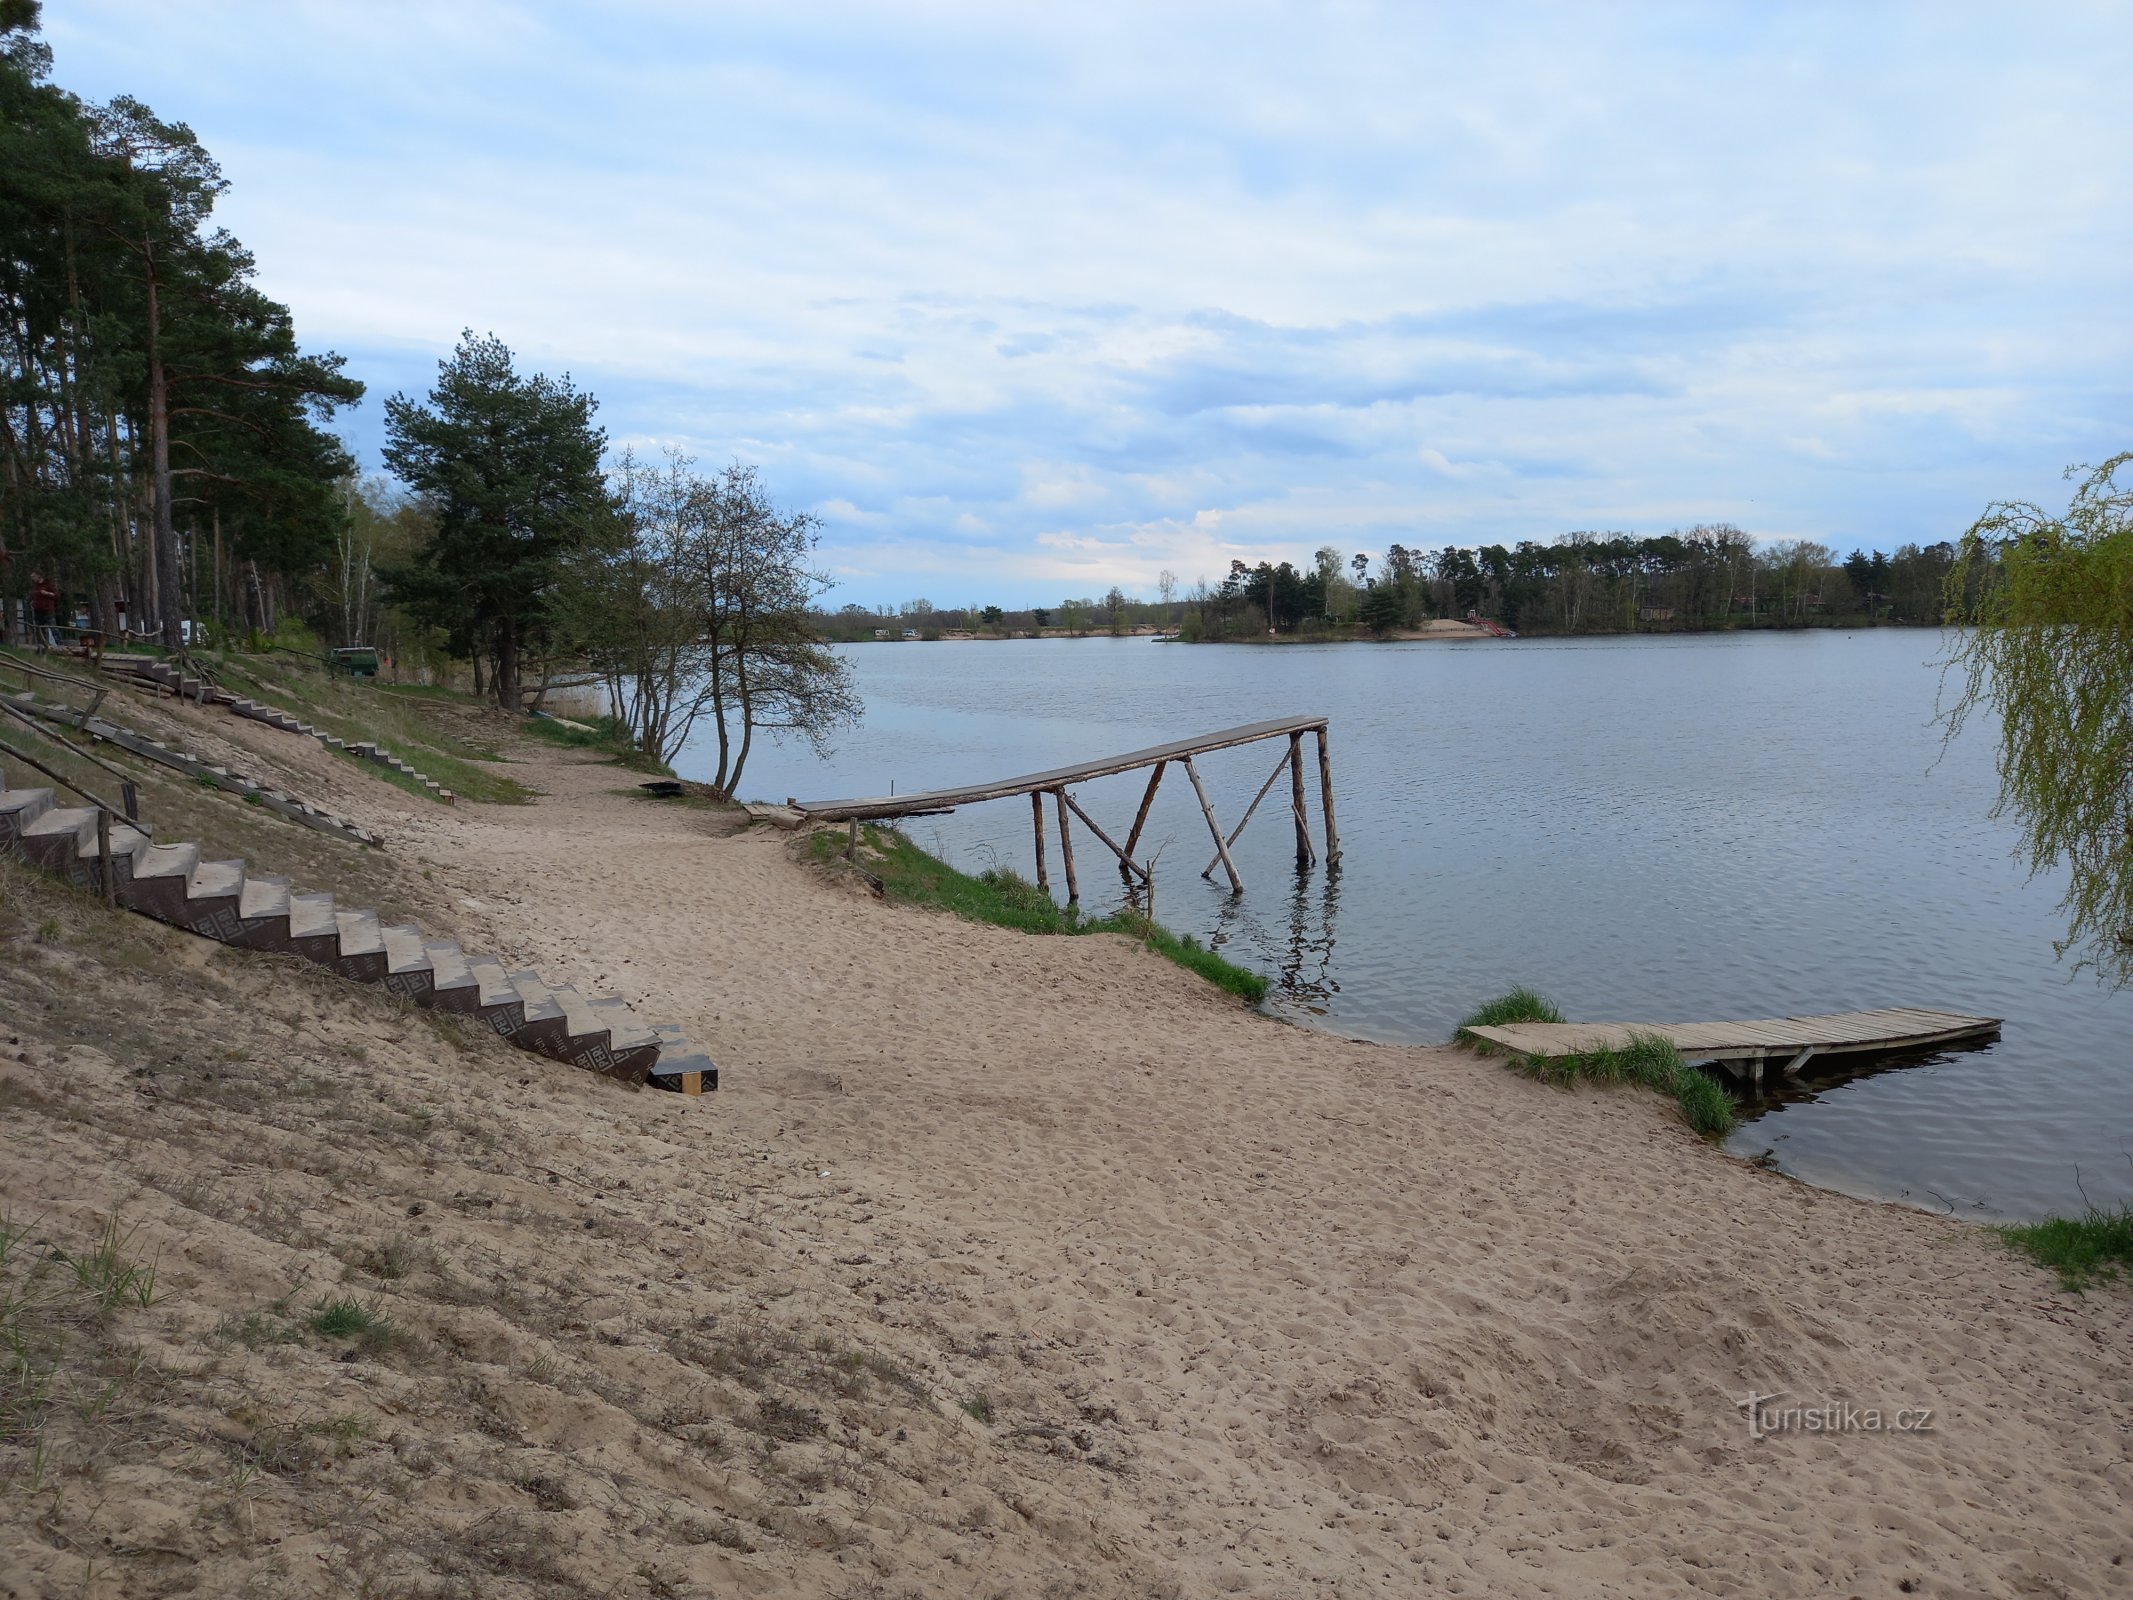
(147, 669)
(225, 901)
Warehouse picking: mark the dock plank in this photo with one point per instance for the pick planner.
(904, 805)
(1888, 1029)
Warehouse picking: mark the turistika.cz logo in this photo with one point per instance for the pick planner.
(1766, 1418)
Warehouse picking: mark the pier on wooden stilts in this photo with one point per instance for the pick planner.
(1159, 759)
(1743, 1048)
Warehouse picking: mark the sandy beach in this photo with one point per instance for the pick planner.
(1192, 1302)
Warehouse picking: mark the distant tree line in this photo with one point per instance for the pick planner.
(1710, 576)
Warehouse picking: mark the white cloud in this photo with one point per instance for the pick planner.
(1186, 283)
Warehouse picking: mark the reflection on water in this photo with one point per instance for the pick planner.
(1670, 829)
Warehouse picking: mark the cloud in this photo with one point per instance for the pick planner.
(1182, 284)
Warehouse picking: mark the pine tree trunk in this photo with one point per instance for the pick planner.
(170, 576)
(507, 694)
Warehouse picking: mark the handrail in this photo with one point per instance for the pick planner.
(15, 663)
(65, 743)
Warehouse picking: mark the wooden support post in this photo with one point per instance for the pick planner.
(1036, 811)
(1305, 854)
(851, 841)
(1236, 884)
(1792, 1067)
(692, 1083)
(1325, 800)
(1235, 833)
(103, 855)
(130, 797)
(1125, 862)
(1140, 817)
(1066, 848)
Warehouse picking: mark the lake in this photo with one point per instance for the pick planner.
(1686, 828)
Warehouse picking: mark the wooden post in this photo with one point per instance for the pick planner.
(1066, 847)
(1305, 854)
(1036, 811)
(1236, 884)
(1237, 832)
(103, 855)
(1140, 818)
(851, 841)
(1126, 863)
(1325, 800)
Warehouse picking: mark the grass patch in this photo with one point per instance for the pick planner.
(2092, 1248)
(910, 876)
(417, 727)
(348, 1318)
(603, 734)
(1520, 1005)
(1646, 1059)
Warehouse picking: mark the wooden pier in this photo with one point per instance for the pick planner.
(1744, 1047)
(1159, 758)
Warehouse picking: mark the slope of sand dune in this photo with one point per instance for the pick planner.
(1170, 1298)
(1376, 1319)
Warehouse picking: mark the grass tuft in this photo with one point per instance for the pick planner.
(2093, 1248)
(1520, 1005)
(911, 876)
(1647, 1059)
(348, 1318)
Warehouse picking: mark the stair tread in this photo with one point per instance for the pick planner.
(496, 989)
(404, 951)
(23, 799)
(626, 1029)
(310, 915)
(449, 963)
(214, 880)
(263, 896)
(541, 1003)
(360, 933)
(63, 819)
(168, 861)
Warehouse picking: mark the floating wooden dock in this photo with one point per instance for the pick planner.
(1743, 1047)
(1179, 752)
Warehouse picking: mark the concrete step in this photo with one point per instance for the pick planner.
(360, 933)
(311, 916)
(624, 1025)
(216, 880)
(404, 951)
(263, 896)
(449, 964)
(540, 1002)
(21, 807)
(167, 861)
(490, 979)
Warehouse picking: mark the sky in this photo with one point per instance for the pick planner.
(1024, 301)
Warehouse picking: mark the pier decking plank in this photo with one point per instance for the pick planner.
(882, 807)
(1755, 1039)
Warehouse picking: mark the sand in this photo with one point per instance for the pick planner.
(1247, 1309)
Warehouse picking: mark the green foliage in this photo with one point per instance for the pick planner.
(1519, 1005)
(2094, 1247)
(347, 1318)
(1646, 1059)
(2048, 603)
(978, 1409)
(911, 876)
(144, 366)
(511, 465)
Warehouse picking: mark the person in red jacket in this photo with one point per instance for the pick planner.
(44, 611)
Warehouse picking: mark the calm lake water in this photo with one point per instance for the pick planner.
(1666, 829)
